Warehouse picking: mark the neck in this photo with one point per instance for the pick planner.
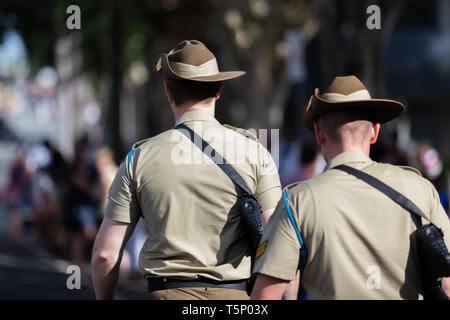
(207, 105)
(331, 151)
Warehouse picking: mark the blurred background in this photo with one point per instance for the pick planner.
(72, 102)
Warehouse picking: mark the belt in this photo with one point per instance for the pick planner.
(155, 284)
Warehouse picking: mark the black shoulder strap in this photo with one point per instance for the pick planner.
(216, 158)
(381, 186)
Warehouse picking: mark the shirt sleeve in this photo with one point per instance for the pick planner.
(122, 203)
(279, 250)
(268, 188)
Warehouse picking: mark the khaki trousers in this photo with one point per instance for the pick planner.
(198, 293)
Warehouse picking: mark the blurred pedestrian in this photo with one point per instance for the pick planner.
(350, 240)
(17, 196)
(432, 167)
(49, 189)
(46, 211)
(85, 194)
(307, 166)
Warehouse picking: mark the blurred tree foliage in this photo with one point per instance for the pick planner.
(117, 33)
(243, 34)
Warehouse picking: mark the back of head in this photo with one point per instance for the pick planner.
(349, 127)
(184, 91)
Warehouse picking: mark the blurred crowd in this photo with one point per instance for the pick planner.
(60, 204)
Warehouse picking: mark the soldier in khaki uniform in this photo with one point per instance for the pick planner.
(354, 239)
(196, 246)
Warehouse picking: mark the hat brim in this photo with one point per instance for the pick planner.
(167, 72)
(383, 110)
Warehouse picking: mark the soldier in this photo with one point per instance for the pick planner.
(196, 246)
(354, 242)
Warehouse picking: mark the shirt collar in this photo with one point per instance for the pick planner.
(195, 115)
(348, 157)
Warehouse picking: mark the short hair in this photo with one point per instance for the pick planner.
(183, 91)
(354, 124)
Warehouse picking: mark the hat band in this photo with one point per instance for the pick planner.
(354, 96)
(188, 71)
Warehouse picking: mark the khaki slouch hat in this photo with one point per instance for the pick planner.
(191, 60)
(346, 93)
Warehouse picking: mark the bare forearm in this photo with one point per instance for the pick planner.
(105, 273)
(107, 255)
(446, 286)
(268, 288)
(291, 291)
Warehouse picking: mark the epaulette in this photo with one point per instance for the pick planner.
(139, 143)
(411, 169)
(290, 186)
(244, 132)
(135, 146)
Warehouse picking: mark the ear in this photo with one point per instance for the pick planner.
(320, 134)
(168, 94)
(219, 91)
(374, 133)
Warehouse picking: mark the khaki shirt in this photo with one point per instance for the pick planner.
(357, 239)
(189, 204)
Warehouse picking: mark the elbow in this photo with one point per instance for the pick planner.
(104, 257)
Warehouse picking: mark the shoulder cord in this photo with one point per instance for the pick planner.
(303, 251)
